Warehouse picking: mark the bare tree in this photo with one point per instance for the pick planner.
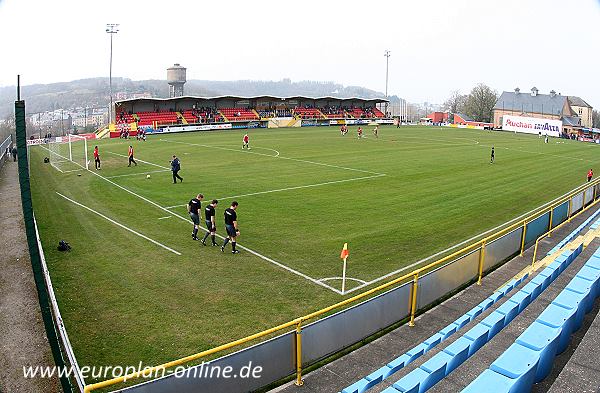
(455, 103)
(595, 119)
(480, 103)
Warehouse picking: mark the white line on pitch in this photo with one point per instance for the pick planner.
(221, 237)
(164, 218)
(72, 170)
(138, 173)
(137, 159)
(120, 225)
(290, 188)
(341, 278)
(279, 157)
(506, 224)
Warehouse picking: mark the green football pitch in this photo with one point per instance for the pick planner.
(136, 287)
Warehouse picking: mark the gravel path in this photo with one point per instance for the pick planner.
(22, 337)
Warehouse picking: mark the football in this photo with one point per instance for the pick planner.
(147, 176)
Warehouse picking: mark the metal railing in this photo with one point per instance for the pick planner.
(414, 276)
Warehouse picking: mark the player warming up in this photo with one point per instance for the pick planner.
(246, 142)
(130, 155)
(209, 218)
(96, 158)
(232, 227)
(175, 168)
(492, 156)
(590, 175)
(194, 211)
(359, 132)
(376, 131)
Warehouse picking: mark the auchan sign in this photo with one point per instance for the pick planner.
(531, 125)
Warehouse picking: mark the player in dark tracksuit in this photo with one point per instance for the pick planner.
(194, 211)
(209, 219)
(492, 156)
(175, 168)
(232, 228)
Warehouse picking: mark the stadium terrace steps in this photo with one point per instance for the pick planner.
(581, 373)
(531, 357)
(517, 361)
(481, 330)
(362, 362)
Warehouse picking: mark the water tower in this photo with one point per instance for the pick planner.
(176, 80)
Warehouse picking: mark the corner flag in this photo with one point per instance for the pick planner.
(344, 254)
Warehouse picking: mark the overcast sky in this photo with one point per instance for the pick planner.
(436, 45)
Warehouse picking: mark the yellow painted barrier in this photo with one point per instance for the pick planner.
(413, 298)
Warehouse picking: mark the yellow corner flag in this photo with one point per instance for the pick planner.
(344, 254)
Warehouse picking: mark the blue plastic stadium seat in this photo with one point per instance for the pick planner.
(562, 318)
(487, 303)
(416, 352)
(359, 386)
(478, 334)
(591, 274)
(398, 363)
(462, 321)
(411, 382)
(448, 330)
(496, 296)
(594, 262)
(474, 312)
(458, 351)
(490, 382)
(433, 341)
(583, 287)
(533, 289)
(543, 339)
(495, 321)
(522, 298)
(510, 310)
(436, 367)
(555, 267)
(541, 280)
(572, 300)
(519, 363)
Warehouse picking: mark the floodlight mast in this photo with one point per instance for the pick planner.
(111, 29)
(387, 55)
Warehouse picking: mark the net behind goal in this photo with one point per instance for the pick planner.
(69, 153)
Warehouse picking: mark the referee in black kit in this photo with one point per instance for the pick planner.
(194, 210)
(211, 226)
(232, 227)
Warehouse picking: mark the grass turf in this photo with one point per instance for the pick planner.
(396, 199)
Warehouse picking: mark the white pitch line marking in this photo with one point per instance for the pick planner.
(455, 246)
(263, 257)
(138, 173)
(291, 188)
(120, 225)
(341, 278)
(280, 157)
(137, 159)
(164, 218)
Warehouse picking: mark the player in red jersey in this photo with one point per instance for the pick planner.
(96, 158)
(590, 175)
(359, 132)
(246, 142)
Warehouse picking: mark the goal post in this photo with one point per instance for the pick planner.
(78, 150)
(69, 153)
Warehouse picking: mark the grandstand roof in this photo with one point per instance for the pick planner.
(524, 102)
(225, 97)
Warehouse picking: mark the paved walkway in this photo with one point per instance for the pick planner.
(22, 337)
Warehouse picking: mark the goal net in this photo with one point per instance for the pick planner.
(69, 153)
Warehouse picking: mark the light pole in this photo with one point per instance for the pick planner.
(387, 65)
(111, 29)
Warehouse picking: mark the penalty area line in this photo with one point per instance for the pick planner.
(119, 224)
(137, 159)
(187, 220)
(290, 188)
